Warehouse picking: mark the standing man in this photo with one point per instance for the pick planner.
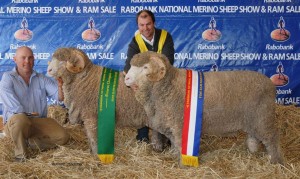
(24, 95)
(148, 37)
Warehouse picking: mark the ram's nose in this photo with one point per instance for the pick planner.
(127, 80)
(49, 72)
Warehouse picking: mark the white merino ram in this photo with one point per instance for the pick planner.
(81, 80)
(233, 101)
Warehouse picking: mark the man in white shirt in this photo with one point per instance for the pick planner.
(24, 95)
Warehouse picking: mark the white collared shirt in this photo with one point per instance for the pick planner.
(151, 42)
(19, 97)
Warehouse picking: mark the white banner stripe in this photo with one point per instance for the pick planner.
(193, 113)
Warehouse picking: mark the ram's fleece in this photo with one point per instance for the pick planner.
(233, 101)
(81, 79)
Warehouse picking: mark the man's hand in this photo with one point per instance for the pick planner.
(60, 90)
(59, 82)
(32, 114)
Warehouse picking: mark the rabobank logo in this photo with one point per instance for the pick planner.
(280, 34)
(212, 34)
(23, 34)
(91, 34)
(280, 79)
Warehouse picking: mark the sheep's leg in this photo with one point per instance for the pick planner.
(176, 143)
(273, 149)
(158, 141)
(91, 132)
(73, 116)
(265, 129)
(270, 139)
(252, 144)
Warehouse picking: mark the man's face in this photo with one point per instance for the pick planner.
(146, 25)
(24, 60)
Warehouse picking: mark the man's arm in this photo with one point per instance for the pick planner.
(168, 48)
(133, 49)
(54, 88)
(60, 91)
(8, 96)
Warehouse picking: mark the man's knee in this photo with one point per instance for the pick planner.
(64, 138)
(61, 134)
(17, 122)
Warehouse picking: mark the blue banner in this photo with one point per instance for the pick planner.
(262, 35)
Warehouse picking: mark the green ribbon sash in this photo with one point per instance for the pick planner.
(106, 114)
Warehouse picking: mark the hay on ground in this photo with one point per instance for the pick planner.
(220, 157)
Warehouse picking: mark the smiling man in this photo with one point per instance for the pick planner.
(24, 95)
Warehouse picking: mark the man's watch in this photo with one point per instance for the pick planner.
(61, 103)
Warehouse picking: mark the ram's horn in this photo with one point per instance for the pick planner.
(157, 75)
(79, 64)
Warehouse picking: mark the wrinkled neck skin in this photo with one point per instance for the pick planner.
(164, 87)
(144, 92)
(149, 93)
(67, 79)
(143, 95)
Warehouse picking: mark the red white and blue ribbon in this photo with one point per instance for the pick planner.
(192, 125)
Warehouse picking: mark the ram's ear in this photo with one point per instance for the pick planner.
(158, 70)
(78, 62)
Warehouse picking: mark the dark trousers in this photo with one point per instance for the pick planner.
(143, 134)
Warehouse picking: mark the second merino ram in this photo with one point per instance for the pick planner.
(233, 101)
(81, 79)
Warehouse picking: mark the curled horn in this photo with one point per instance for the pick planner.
(78, 63)
(159, 70)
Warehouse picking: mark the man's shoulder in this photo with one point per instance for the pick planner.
(7, 78)
(41, 76)
(43, 79)
(9, 73)
(158, 31)
(38, 74)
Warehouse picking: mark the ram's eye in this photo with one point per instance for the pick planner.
(145, 67)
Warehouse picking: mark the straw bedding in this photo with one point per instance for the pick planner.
(220, 157)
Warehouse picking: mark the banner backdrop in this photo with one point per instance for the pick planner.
(260, 35)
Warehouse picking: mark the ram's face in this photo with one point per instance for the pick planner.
(136, 73)
(148, 70)
(54, 67)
